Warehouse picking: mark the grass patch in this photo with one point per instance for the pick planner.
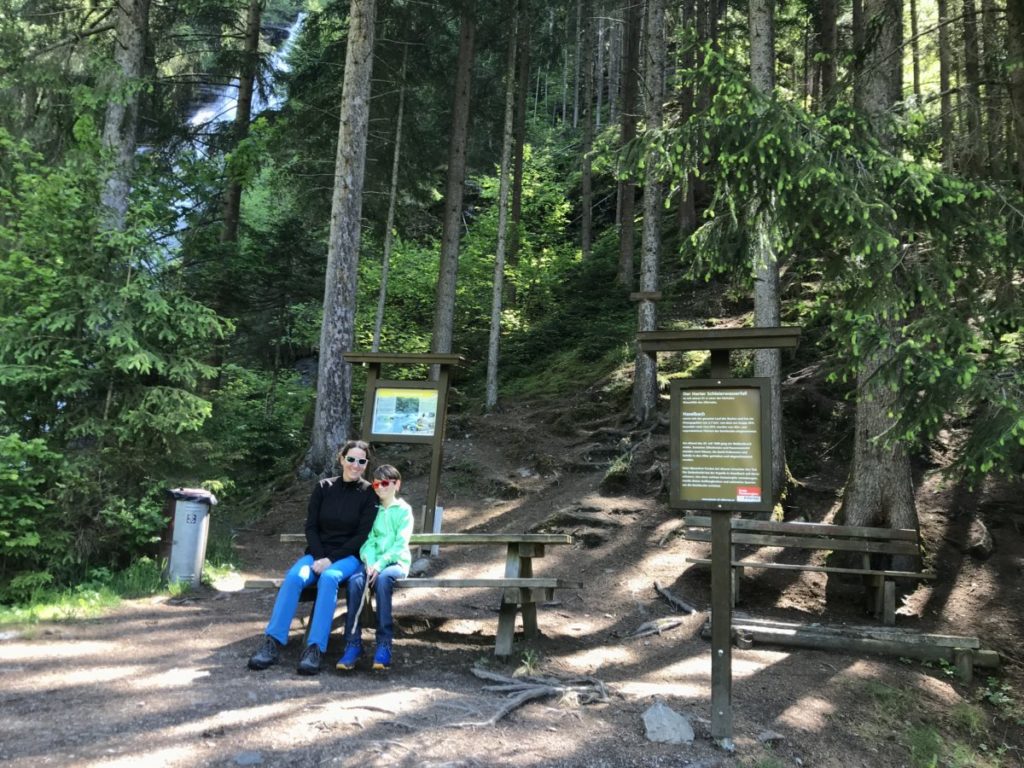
(934, 735)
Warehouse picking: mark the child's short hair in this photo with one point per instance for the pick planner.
(386, 472)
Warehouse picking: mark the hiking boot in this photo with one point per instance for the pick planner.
(351, 655)
(269, 653)
(382, 656)
(309, 664)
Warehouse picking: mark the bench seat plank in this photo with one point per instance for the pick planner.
(536, 582)
(465, 538)
(818, 568)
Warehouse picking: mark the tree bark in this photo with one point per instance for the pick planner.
(243, 115)
(945, 99)
(598, 73)
(121, 118)
(645, 380)
(389, 226)
(1015, 61)
(974, 145)
(627, 187)
(499, 252)
(828, 43)
(614, 68)
(519, 146)
(333, 418)
(764, 260)
(578, 58)
(879, 490)
(587, 116)
(990, 72)
(915, 51)
(444, 313)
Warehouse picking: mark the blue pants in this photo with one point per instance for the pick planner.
(298, 578)
(383, 589)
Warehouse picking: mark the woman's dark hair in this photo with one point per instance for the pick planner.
(386, 472)
(348, 445)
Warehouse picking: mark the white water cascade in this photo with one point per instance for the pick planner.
(223, 101)
(217, 109)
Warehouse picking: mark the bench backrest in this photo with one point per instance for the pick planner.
(767, 533)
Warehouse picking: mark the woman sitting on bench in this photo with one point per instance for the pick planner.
(340, 516)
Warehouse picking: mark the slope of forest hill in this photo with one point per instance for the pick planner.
(164, 680)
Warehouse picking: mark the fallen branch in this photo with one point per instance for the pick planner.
(655, 627)
(585, 690)
(672, 600)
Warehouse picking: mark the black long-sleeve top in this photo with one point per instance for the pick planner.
(339, 519)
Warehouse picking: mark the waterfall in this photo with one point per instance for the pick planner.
(223, 101)
(215, 110)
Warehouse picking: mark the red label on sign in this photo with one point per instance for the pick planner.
(748, 493)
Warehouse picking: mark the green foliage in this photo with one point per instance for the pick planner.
(914, 265)
(102, 359)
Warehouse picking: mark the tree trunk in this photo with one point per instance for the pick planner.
(627, 187)
(686, 214)
(587, 116)
(389, 226)
(879, 490)
(945, 99)
(990, 72)
(598, 74)
(499, 252)
(121, 119)
(828, 42)
(764, 260)
(645, 380)
(1015, 60)
(915, 51)
(519, 139)
(444, 313)
(974, 145)
(243, 115)
(333, 418)
(614, 68)
(578, 58)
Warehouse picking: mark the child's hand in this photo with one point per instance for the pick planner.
(371, 575)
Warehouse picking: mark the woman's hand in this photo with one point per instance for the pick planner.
(371, 575)
(321, 565)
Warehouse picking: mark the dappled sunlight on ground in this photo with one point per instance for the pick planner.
(808, 713)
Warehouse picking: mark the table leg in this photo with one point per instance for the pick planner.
(527, 605)
(508, 609)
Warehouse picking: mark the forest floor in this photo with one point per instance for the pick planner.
(163, 681)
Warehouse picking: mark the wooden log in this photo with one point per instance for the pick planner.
(923, 647)
(861, 630)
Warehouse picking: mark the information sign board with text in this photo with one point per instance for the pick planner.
(404, 411)
(721, 448)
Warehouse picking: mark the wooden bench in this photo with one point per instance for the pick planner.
(521, 589)
(867, 542)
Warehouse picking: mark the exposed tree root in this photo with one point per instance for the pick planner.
(582, 690)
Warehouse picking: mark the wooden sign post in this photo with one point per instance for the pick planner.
(408, 411)
(720, 462)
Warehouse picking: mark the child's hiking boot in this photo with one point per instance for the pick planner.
(348, 659)
(382, 656)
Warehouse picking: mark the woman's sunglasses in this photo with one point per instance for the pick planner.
(383, 483)
(354, 460)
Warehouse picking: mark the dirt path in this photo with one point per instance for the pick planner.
(163, 682)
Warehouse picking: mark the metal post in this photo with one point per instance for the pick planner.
(721, 629)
